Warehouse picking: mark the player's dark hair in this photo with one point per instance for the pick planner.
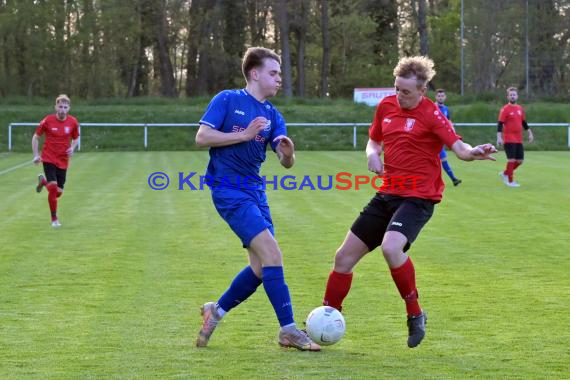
(254, 57)
(439, 91)
(420, 67)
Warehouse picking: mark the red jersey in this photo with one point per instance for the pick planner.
(412, 141)
(58, 139)
(512, 116)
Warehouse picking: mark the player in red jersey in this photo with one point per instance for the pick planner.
(411, 131)
(509, 133)
(62, 136)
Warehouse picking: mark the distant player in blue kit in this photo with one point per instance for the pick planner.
(440, 99)
(237, 127)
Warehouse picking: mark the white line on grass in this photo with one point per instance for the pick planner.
(15, 167)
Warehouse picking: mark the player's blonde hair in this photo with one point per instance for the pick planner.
(420, 67)
(62, 98)
(512, 89)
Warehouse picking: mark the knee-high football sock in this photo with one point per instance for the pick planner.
(405, 279)
(52, 199)
(244, 285)
(338, 286)
(278, 293)
(509, 171)
(448, 170)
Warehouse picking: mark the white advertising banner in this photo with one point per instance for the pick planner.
(372, 96)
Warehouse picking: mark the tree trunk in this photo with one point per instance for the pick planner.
(301, 27)
(194, 37)
(283, 23)
(234, 19)
(326, 49)
(257, 11)
(167, 81)
(422, 27)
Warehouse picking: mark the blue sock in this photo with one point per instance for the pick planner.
(448, 170)
(243, 286)
(278, 293)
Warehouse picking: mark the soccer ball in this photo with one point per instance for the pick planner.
(325, 325)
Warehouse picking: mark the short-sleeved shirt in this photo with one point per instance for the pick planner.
(231, 111)
(412, 141)
(512, 116)
(59, 134)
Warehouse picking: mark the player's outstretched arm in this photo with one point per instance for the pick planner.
(209, 137)
(373, 151)
(466, 152)
(285, 151)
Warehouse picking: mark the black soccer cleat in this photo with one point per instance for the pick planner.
(40, 186)
(416, 329)
(456, 182)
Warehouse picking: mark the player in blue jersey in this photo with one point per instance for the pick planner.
(237, 127)
(440, 99)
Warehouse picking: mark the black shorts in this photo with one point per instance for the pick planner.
(53, 173)
(392, 213)
(514, 151)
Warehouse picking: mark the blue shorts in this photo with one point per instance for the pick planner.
(442, 154)
(246, 212)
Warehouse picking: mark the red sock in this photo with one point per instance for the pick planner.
(52, 199)
(405, 280)
(510, 169)
(517, 164)
(338, 286)
(59, 193)
(44, 181)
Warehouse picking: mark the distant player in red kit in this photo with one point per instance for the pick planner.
(411, 131)
(62, 136)
(511, 122)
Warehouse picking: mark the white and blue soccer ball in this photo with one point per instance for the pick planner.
(325, 325)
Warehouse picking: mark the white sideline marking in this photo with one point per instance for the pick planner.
(15, 167)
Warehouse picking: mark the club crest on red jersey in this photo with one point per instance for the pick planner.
(409, 125)
(67, 130)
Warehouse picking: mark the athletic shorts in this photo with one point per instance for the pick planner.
(246, 212)
(392, 213)
(53, 173)
(442, 154)
(514, 151)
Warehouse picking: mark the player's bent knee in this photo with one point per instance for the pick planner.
(392, 249)
(266, 248)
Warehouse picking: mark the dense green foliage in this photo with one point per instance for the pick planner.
(92, 49)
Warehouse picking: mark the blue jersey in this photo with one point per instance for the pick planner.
(232, 166)
(444, 110)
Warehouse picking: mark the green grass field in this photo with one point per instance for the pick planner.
(115, 292)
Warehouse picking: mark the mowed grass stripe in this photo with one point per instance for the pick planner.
(115, 292)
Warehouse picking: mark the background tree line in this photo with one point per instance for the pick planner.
(129, 48)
